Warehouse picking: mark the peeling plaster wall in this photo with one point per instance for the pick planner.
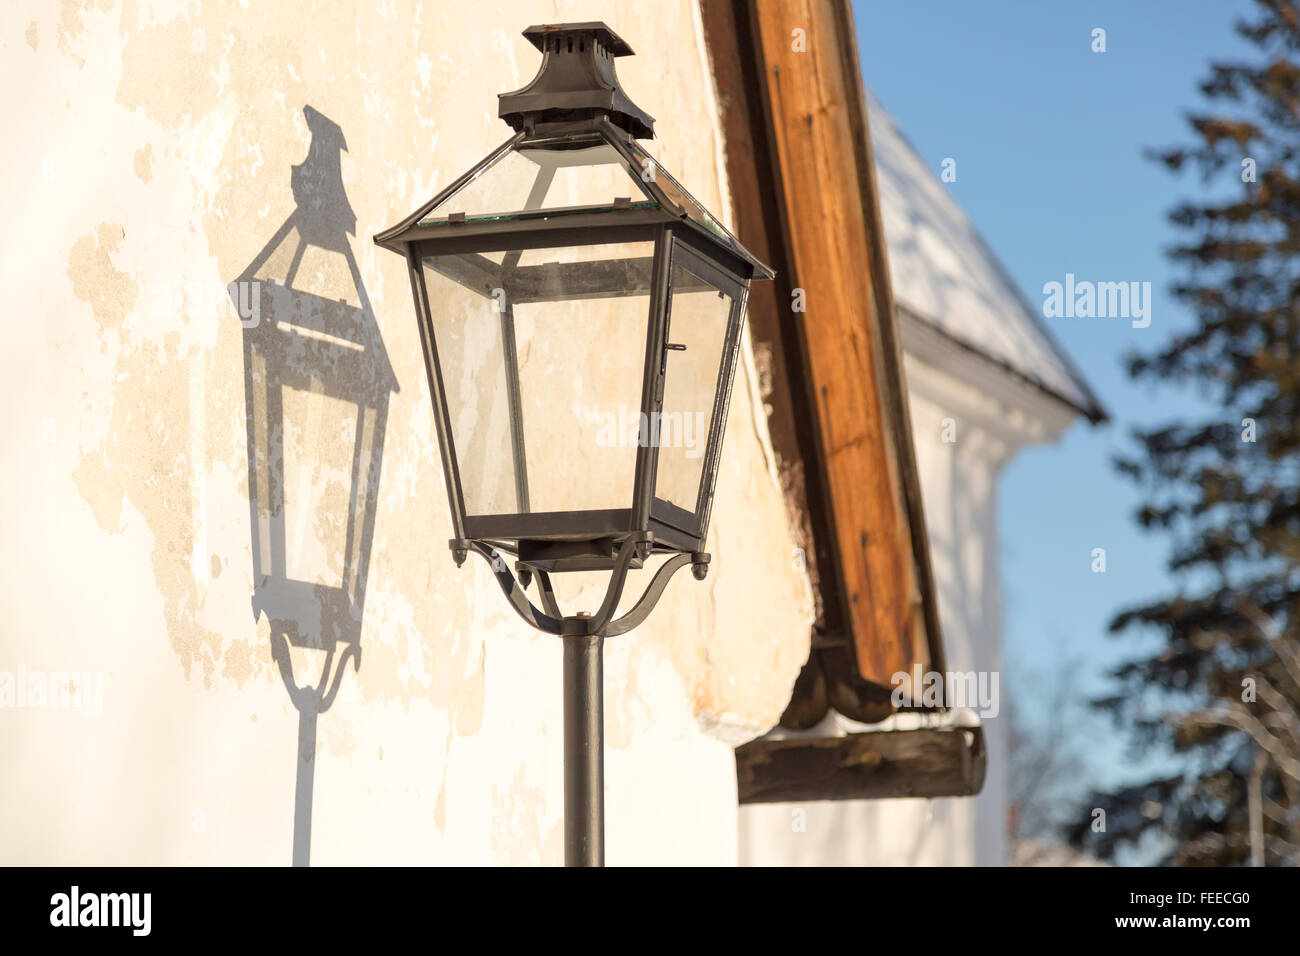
(151, 159)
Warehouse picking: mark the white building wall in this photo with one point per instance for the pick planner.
(991, 417)
(151, 147)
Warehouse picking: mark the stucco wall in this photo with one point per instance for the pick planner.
(968, 421)
(149, 165)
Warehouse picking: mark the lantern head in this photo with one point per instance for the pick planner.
(580, 315)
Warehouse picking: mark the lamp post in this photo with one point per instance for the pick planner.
(570, 234)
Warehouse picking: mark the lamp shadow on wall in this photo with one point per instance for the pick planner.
(317, 382)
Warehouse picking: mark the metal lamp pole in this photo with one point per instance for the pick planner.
(584, 749)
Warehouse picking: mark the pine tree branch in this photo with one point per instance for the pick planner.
(1277, 813)
(1281, 708)
(1238, 718)
(1287, 651)
(1283, 849)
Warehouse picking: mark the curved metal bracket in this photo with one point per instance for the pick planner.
(626, 552)
(514, 593)
(547, 594)
(550, 619)
(641, 610)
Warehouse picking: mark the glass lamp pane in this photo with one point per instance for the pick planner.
(541, 354)
(697, 334)
(675, 192)
(533, 179)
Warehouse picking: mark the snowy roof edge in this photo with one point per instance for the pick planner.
(891, 146)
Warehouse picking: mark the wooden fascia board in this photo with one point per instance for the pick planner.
(755, 189)
(891, 338)
(817, 120)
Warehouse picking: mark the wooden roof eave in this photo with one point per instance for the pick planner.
(799, 157)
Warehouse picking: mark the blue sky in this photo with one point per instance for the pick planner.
(1049, 139)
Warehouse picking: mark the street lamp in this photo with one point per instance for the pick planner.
(580, 315)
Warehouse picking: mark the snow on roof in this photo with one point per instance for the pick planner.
(944, 274)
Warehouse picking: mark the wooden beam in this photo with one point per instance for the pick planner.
(757, 219)
(817, 123)
(867, 766)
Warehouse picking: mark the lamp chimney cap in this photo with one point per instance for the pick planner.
(576, 83)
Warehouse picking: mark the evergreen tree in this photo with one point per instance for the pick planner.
(1222, 690)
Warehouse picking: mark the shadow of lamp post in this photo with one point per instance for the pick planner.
(323, 358)
(565, 286)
